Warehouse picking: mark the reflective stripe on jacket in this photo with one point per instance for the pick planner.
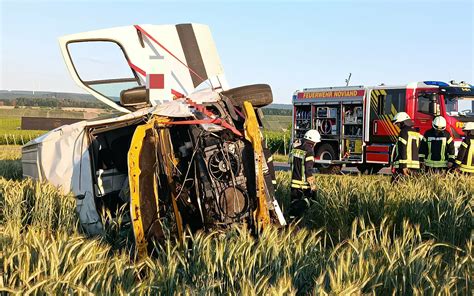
(437, 149)
(405, 153)
(465, 159)
(301, 161)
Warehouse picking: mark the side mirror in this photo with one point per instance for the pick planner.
(136, 97)
(433, 106)
(259, 95)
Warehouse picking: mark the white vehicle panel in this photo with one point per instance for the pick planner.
(162, 53)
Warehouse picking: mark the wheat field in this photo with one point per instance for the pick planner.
(361, 235)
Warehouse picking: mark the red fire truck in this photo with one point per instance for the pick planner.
(355, 121)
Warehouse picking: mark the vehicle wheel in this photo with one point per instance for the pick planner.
(326, 152)
(258, 94)
(369, 169)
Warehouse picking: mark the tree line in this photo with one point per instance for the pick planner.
(52, 103)
(274, 111)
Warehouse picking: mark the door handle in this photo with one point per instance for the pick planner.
(375, 127)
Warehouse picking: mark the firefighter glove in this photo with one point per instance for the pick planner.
(312, 183)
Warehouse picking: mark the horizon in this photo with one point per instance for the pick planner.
(289, 48)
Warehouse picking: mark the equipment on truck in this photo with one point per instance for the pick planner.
(178, 152)
(355, 122)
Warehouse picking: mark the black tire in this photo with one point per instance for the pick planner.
(326, 152)
(369, 169)
(259, 95)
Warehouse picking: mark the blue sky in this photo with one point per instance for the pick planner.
(289, 45)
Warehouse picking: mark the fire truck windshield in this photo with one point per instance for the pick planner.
(451, 103)
(458, 105)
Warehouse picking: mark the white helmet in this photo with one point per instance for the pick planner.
(400, 117)
(313, 136)
(439, 123)
(469, 126)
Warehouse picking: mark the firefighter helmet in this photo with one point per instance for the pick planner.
(313, 136)
(469, 126)
(400, 117)
(439, 123)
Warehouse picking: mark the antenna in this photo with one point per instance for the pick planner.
(348, 79)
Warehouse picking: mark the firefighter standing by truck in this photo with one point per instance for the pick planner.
(465, 158)
(437, 152)
(405, 159)
(302, 180)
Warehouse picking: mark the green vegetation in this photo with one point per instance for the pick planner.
(39, 112)
(361, 235)
(10, 164)
(277, 111)
(277, 142)
(10, 123)
(277, 132)
(277, 123)
(280, 158)
(54, 103)
(440, 206)
(11, 134)
(18, 137)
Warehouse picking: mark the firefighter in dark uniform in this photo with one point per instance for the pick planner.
(465, 159)
(437, 152)
(269, 171)
(302, 180)
(405, 160)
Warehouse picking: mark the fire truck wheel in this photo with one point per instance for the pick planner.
(369, 169)
(326, 152)
(258, 94)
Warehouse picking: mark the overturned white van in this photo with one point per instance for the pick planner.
(185, 144)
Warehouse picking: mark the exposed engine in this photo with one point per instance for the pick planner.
(213, 184)
(224, 165)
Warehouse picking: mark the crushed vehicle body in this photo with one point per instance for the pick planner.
(184, 145)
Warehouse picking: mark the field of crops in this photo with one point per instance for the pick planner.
(277, 122)
(11, 134)
(277, 142)
(361, 235)
(39, 112)
(10, 123)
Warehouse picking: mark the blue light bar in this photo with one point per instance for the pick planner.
(437, 83)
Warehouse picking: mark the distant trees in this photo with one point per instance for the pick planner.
(52, 103)
(274, 111)
(6, 102)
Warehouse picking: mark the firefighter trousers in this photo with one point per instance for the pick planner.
(299, 202)
(431, 170)
(397, 174)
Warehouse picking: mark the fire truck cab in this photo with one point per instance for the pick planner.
(355, 121)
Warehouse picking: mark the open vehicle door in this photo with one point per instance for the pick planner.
(131, 67)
